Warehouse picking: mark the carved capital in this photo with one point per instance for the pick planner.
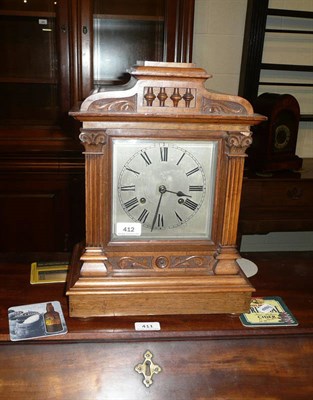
(93, 140)
(237, 143)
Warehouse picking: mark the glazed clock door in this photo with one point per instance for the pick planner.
(113, 35)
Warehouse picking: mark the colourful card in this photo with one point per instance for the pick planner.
(36, 320)
(268, 311)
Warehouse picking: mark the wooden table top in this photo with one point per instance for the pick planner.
(285, 274)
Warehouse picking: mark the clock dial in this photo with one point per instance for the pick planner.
(166, 187)
(282, 137)
(171, 198)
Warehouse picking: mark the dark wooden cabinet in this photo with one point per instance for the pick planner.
(34, 72)
(53, 55)
(278, 202)
(112, 35)
(41, 204)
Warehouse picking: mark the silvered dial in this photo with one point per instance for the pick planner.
(162, 186)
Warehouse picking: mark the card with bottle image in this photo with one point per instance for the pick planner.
(33, 321)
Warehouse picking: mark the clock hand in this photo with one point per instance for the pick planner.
(179, 193)
(162, 190)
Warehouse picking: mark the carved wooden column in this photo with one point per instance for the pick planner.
(94, 258)
(236, 146)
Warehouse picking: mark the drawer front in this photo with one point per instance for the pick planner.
(205, 369)
(276, 206)
(277, 193)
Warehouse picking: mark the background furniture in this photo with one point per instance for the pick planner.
(62, 50)
(202, 357)
(277, 202)
(265, 70)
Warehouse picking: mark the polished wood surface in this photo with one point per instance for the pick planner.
(277, 202)
(202, 357)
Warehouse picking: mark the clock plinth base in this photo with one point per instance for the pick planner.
(156, 295)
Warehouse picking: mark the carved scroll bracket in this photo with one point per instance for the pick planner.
(222, 107)
(237, 143)
(112, 105)
(93, 140)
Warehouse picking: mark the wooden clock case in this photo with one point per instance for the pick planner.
(275, 140)
(106, 278)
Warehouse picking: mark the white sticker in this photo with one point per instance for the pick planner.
(43, 22)
(128, 229)
(147, 326)
(265, 308)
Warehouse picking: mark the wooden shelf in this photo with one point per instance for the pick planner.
(287, 67)
(263, 83)
(130, 17)
(306, 117)
(29, 80)
(18, 13)
(290, 13)
(292, 31)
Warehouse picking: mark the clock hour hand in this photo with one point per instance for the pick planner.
(179, 193)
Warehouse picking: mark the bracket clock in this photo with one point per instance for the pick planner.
(164, 166)
(275, 140)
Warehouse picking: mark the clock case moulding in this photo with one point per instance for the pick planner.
(166, 101)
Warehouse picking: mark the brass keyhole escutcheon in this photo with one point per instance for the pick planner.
(148, 369)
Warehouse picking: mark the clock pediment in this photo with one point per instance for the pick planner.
(163, 89)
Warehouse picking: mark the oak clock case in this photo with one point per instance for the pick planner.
(163, 189)
(164, 162)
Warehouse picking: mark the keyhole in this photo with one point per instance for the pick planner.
(148, 369)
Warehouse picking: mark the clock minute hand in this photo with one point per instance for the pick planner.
(179, 193)
(162, 190)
